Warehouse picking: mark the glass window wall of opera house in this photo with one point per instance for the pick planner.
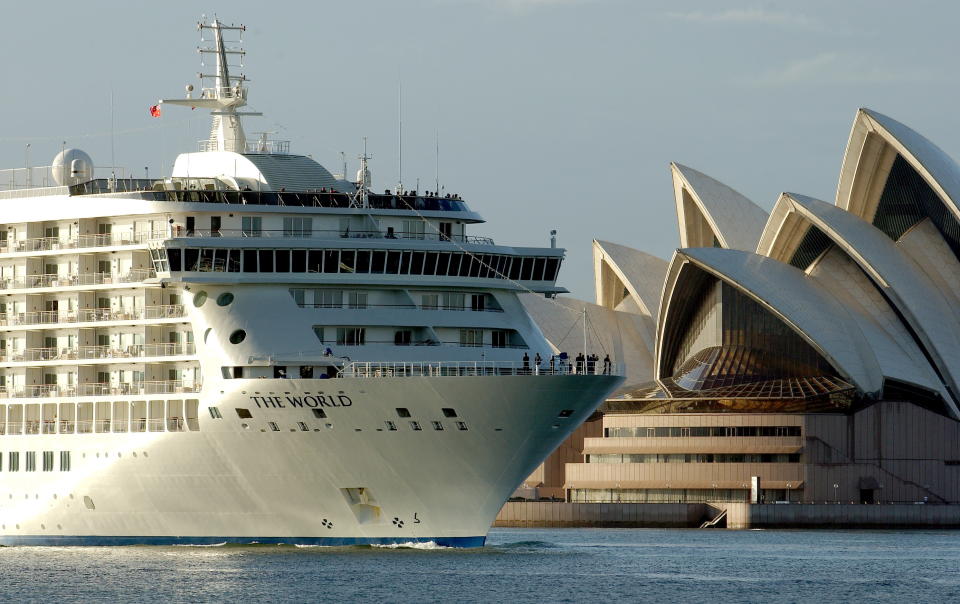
(814, 348)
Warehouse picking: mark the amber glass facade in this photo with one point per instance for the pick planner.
(731, 339)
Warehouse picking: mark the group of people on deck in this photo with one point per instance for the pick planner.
(559, 363)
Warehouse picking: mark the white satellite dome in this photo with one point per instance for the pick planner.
(71, 167)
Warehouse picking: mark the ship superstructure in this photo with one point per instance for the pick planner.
(255, 349)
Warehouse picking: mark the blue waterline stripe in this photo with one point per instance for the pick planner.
(97, 540)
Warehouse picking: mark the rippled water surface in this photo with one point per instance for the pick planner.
(545, 565)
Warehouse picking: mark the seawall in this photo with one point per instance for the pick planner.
(546, 514)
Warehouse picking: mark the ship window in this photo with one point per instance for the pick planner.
(31, 465)
(357, 299)
(306, 372)
(471, 337)
(461, 425)
(514, 268)
(297, 226)
(448, 412)
(437, 426)
(393, 263)
(205, 263)
(565, 413)
(351, 336)
(251, 226)
(416, 263)
(173, 255)
(238, 336)
(233, 261)
(48, 461)
(64, 461)
(199, 298)
(266, 261)
(273, 426)
(403, 412)
(249, 261)
(224, 299)
(475, 266)
(13, 461)
(443, 259)
(430, 263)
(402, 337)
(279, 371)
(238, 373)
(551, 271)
(190, 257)
(283, 261)
(298, 261)
(526, 269)
(331, 261)
(318, 331)
(499, 338)
(377, 261)
(214, 412)
(363, 261)
(303, 427)
(415, 426)
(315, 261)
(453, 269)
(347, 261)
(404, 263)
(319, 413)
(391, 426)
(243, 413)
(538, 264)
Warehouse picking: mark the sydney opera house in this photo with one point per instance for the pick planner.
(814, 349)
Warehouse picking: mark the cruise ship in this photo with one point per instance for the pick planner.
(255, 350)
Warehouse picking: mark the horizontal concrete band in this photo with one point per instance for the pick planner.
(103, 540)
(591, 445)
(680, 484)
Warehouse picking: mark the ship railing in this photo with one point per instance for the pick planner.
(288, 234)
(99, 352)
(43, 244)
(66, 280)
(91, 315)
(279, 147)
(101, 389)
(368, 369)
(206, 191)
(455, 307)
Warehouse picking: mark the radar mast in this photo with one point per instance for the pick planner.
(226, 96)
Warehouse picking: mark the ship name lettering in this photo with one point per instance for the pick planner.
(268, 401)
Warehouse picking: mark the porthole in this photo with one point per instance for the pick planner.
(238, 336)
(206, 334)
(199, 298)
(224, 299)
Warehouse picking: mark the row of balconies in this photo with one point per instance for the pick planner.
(67, 280)
(100, 389)
(43, 244)
(97, 352)
(91, 315)
(90, 426)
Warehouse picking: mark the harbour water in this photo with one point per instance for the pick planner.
(517, 565)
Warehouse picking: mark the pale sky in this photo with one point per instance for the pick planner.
(557, 114)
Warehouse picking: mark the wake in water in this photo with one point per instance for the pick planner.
(200, 544)
(423, 545)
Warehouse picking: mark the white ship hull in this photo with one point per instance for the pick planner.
(228, 483)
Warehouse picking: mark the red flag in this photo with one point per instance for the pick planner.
(155, 111)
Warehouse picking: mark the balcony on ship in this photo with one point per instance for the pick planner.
(100, 389)
(91, 315)
(75, 279)
(79, 353)
(44, 244)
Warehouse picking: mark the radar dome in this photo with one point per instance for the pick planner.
(71, 167)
